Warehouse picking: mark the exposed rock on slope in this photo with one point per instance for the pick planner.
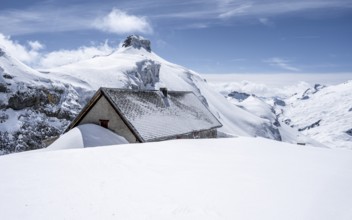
(32, 108)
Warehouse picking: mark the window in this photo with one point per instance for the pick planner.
(104, 123)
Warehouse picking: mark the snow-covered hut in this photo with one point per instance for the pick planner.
(149, 115)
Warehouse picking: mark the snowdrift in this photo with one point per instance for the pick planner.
(232, 178)
(87, 135)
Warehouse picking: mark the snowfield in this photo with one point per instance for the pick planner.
(230, 178)
(322, 112)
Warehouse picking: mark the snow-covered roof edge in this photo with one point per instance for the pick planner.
(91, 103)
(103, 91)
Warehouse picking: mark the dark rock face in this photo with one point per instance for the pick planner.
(7, 76)
(240, 96)
(3, 87)
(310, 91)
(287, 121)
(315, 124)
(279, 102)
(305, 95)
(137, 42)
(269, 131)
(35, 98)
(41, 112)
(318, 87)
(145, 76)
(29, 137)
(349, 132)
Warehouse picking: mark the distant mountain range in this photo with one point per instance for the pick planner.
(323, 113)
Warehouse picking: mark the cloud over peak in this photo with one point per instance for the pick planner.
(282, 63)
(119, 22)
(28, 54)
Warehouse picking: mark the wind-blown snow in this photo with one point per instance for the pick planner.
(232, 178)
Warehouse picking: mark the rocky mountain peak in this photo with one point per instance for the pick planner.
(138, 42)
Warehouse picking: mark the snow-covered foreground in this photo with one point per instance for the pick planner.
(233, 178)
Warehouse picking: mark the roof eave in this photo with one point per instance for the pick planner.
(84, 111)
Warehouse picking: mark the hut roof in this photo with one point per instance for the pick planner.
(152, 115)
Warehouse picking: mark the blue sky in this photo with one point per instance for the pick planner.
(208, 36)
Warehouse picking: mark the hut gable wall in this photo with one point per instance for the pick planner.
(102, 110)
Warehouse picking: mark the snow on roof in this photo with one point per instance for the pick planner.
(153, 116)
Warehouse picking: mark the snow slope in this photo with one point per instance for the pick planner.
(33, 107)
(231, 178)
(321, 112)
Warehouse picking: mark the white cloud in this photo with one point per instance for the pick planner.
(62, 57)
(46, 18)
(27, 54)
(227, 9)
(275, 7)
(236, 11)
(282, 63)
(35, 45)
(120, 22)
(266, 22)
(49, 18)
(32, 55)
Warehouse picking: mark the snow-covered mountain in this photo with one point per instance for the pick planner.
(32, 106)
(134, 65)
(323, 113)
(37, 105)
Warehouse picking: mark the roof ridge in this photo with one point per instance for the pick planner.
(144, 90)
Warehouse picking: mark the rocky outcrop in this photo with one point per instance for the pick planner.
(279, 102)
(315, 124)
(240, 96)
(349, 132)
(41, 113)
(145, 76)
(137, 42)
(33, 98)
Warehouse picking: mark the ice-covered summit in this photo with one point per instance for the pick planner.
(137, 42)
